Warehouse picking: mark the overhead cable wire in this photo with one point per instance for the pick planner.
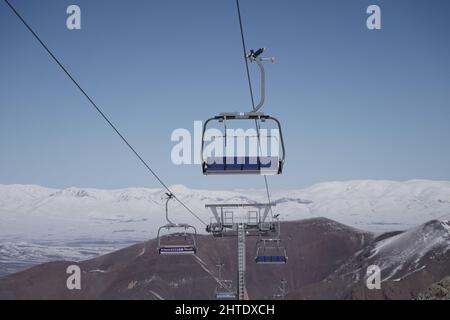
(249, 80)
(102, 114)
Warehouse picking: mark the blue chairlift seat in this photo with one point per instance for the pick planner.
(271, 259)
(242, 165)
(270, 251)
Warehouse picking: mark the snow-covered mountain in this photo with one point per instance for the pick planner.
(376, 205)
(31, 215)
(400, 255)
(135, 213)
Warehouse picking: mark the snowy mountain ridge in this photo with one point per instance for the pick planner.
(135, 213)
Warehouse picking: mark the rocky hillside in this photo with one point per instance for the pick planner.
(327, 260)
(316, 248)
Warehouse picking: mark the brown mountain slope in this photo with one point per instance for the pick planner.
(410, 262)
(316, 248)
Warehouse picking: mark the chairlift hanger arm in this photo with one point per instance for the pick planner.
(262, 97)
(169, 197)
(256, 56)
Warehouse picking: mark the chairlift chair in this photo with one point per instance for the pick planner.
(179, 243)
(225, 291)
(281, 292)
(247, 164)
(270, 251)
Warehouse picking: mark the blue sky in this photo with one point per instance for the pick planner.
(354, 103)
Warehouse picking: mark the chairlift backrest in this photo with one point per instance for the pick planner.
(270, 251)
(169, 245)
(246, 164)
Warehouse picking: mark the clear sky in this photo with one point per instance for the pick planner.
(354, 103)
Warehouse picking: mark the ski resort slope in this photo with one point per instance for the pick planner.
(35, 212)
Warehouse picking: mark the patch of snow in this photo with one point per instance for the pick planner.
(141, 253)
(98, 270)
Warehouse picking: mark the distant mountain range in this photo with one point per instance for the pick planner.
(39, 224)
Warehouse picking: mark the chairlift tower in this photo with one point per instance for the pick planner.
(255, 222)
(241, 261)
